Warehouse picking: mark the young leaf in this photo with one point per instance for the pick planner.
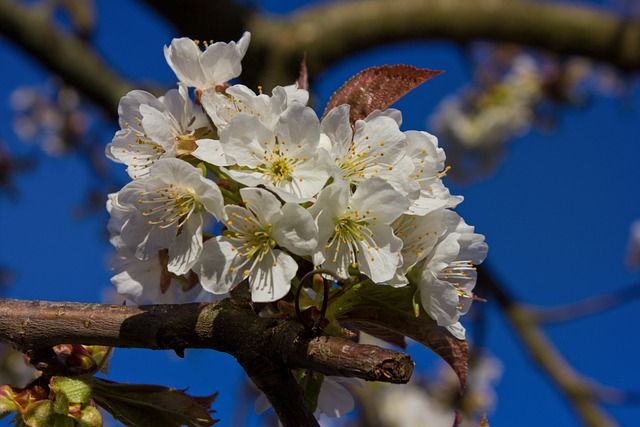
(141, 405)
(392, 308)
(377, 88)
(76, 390)
(40, 414)
(90, 417)
(7, 404)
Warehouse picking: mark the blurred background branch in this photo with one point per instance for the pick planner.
(329, 32)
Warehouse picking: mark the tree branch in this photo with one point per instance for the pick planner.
(331, 31)
(267, 349)
(29, 325)
(195, 21)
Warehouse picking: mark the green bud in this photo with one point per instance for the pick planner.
(90, 417)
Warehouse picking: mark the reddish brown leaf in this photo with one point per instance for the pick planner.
(377, 88)
(392, 308)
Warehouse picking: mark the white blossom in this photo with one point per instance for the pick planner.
(354, 231)
(428, 169)
(377, 148)
(287, 160)
(252, 247)
(172, 202)
(449, 275)
(489, 119)
(633, 247)
(222, 107)
(155, 128)
(334, 399)
(149, 282)
(216, 65)
(419, 235)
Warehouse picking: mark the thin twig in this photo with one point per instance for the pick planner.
(588, 306)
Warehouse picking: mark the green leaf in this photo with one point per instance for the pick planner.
(393, 308)
(141, 405)
(7, 404)
(39, 414)
(90, 417)
(76, 390)
(60, 420)
(376, 88)
(61, 404)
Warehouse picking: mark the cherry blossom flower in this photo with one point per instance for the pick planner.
(354, 231)
(419, 235)
(377, 148)
(428, 169)
(287, 160)
(449, 275)
(155, 128)
(149, 282)
(633, 247)
(171, 203)
(253, 246)
(334, 400)
(222, 107)
(216, 65)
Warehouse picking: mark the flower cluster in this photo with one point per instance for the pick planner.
(487, 119)
(286, 191)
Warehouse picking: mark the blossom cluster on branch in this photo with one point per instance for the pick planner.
(238, 188)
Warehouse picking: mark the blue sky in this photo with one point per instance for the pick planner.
(556, 216)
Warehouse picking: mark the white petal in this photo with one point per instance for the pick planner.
(187, 246)
(129, 107)
(214, 267)
(299, 129)
(157, 126)
(246, 139)
(138, 281)
(221, 62)
(439, 299)
(334, 399)
(457, 330)
(210, 151)
(270, 279)
(335, 125)
(243, 43)
(380, 259)
(261, 202)
(381, 198)
(332, 201)
(296, 230)
(183, 56)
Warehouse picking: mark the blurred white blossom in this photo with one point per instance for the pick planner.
(633, 247)
(489, 119)
(434, 403)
